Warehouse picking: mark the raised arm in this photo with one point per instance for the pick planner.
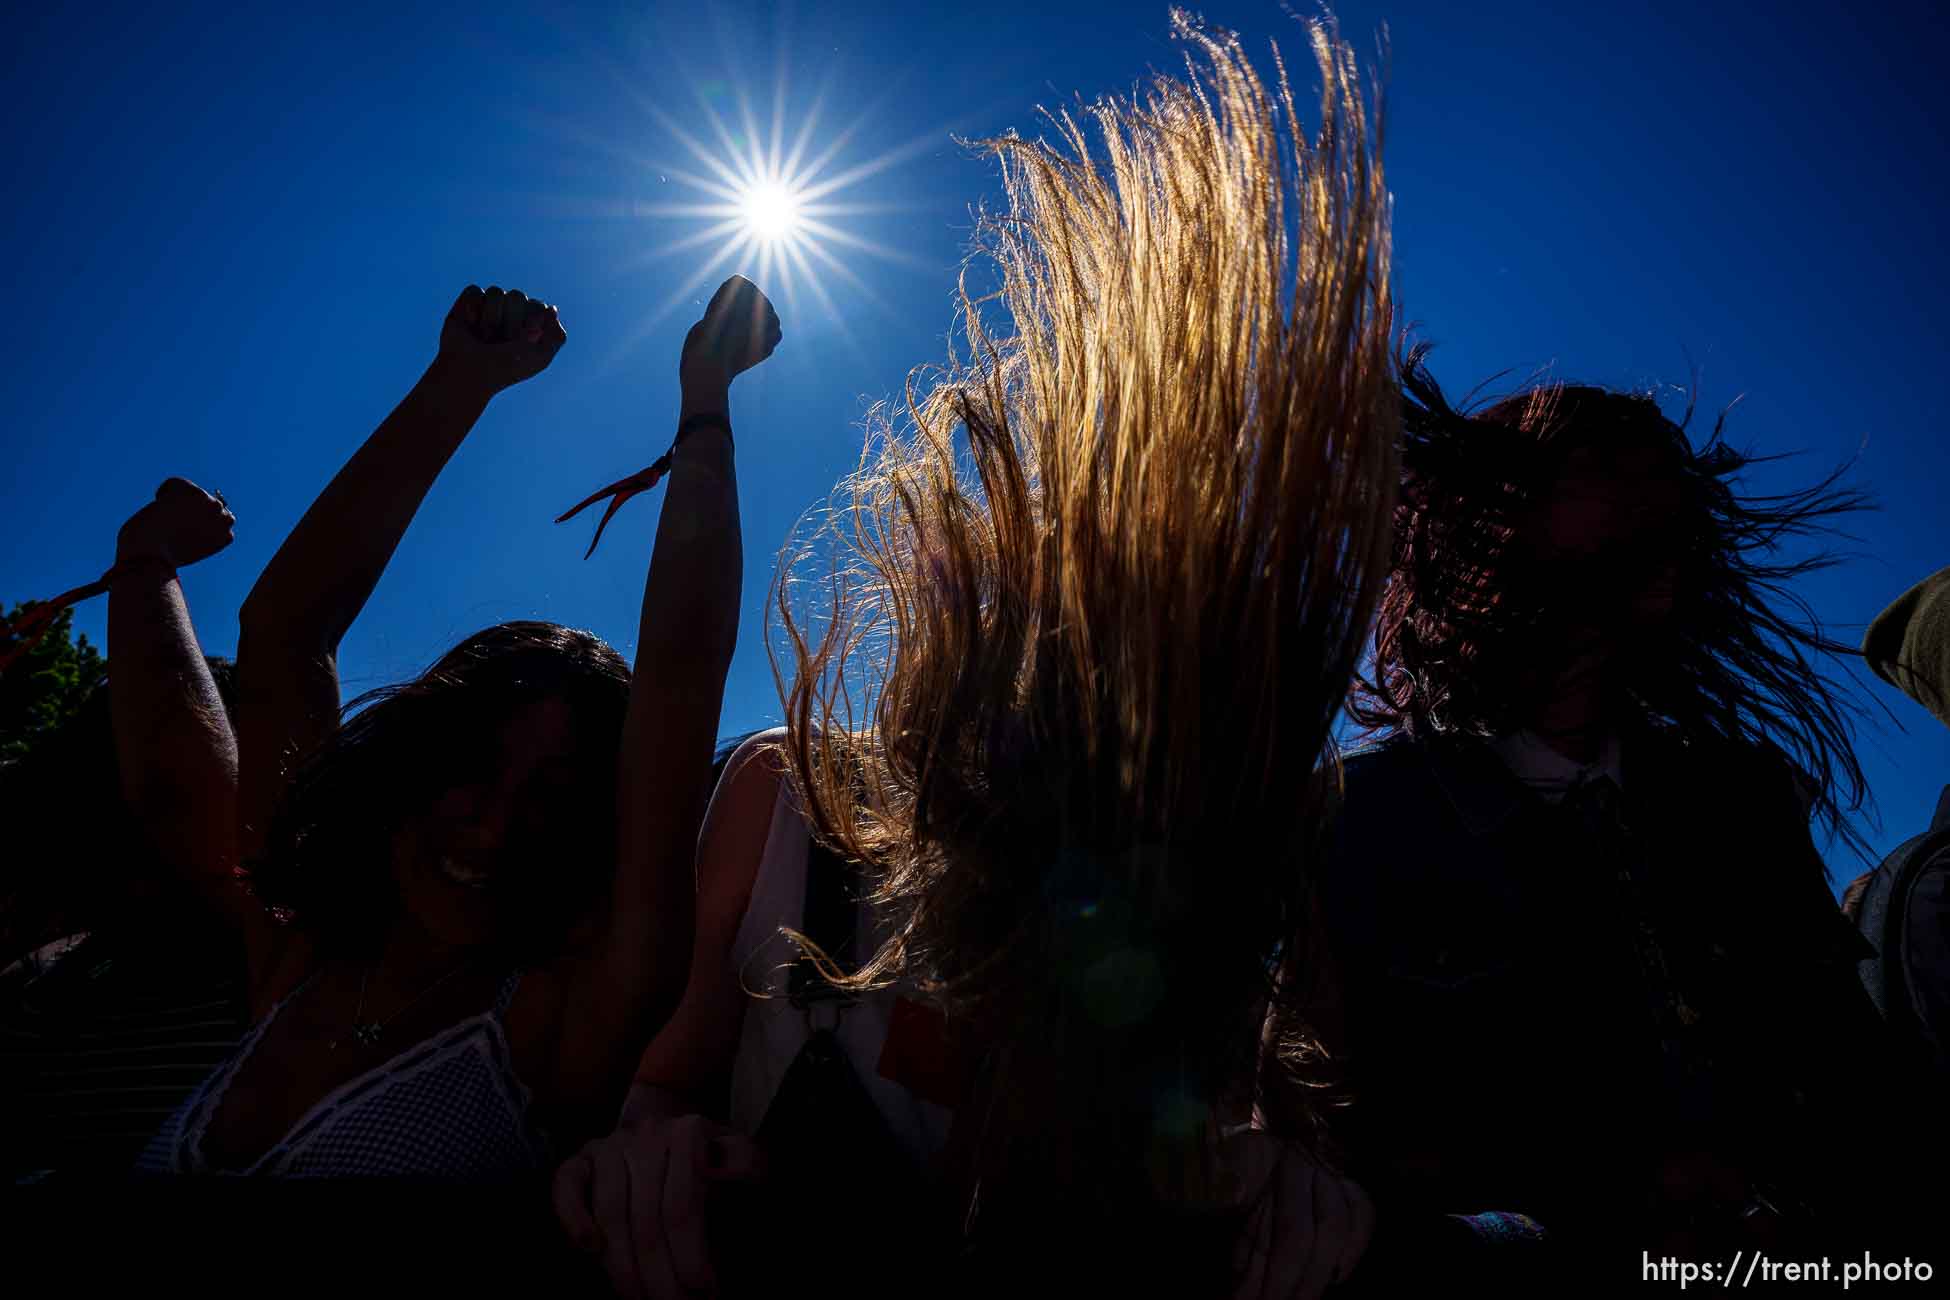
(315, 586)
(652, 1237)
(687, 1067)
(173, 742)
(688, 629)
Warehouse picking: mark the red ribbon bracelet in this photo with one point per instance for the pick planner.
(27, 631)
(641, 481)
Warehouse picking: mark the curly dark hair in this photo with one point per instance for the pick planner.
(327, 860)
(1468, 598)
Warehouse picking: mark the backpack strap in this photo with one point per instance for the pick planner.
(1884, 912)
(1930, 858)
(830, 919)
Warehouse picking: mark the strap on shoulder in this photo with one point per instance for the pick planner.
(504, 996)
(830, 920)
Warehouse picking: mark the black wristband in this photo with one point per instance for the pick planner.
(134, 564)
(703, 420)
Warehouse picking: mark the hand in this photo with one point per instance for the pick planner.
(738, 331)
(637, 1196)
(182, 525)
(1307, 1226)
(496, 338)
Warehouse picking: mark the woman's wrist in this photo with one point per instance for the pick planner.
(704, 427)
(648, 1101)
(140, 562)
(704, 394)
(704, 422)
(454, 389)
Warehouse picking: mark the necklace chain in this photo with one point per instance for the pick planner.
(368, 1032)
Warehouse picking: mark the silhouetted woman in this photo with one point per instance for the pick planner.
(1098, 598)
(459, 933)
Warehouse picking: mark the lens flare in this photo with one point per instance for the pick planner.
(766, 201)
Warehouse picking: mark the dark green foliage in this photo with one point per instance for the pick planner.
(45, 689)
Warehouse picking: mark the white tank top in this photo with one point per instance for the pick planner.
(775, 1030)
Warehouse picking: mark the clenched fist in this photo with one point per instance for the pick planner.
(182, 525)
(738, 331)
(495, 338)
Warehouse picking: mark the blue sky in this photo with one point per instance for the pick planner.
(233, 233)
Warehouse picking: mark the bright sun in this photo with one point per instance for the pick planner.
(769, 204)
(770, 210)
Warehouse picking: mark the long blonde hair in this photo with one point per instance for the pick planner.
(1066, 689)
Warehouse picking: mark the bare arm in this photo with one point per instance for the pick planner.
(173, 743)
(319, 580)
(649, 1226)
(688, 629)
(686, 1069)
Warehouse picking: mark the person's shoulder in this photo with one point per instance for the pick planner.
(1378, 758)
(755, 791)
(1383, 772)
(758, 757)
(1374, 820)
(1411, 803)
(1732, 768)
(753, 776)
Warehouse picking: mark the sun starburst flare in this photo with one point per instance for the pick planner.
(774, 209)
(771, 211)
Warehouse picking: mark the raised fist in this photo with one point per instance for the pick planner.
(182, 525)
(495, 338)
(738, 331)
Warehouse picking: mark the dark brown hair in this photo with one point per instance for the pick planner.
(1742, 658)
(328, 859)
